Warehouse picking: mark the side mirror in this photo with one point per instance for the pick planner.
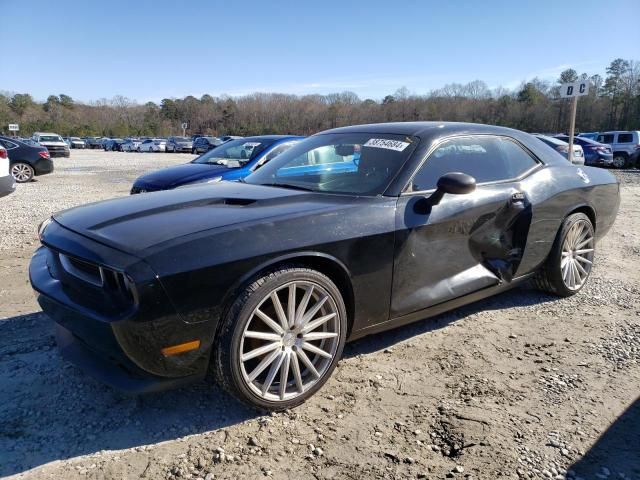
(454, 183)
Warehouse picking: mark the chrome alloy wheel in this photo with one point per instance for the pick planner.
(577, 255)
(21, 172)
(290, 341)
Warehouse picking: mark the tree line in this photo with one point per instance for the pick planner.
(535, 106)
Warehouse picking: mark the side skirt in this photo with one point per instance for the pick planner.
(439, 308)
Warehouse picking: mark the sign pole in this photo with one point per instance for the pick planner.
(574, 106)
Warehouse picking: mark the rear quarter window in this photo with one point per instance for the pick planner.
(625, 137)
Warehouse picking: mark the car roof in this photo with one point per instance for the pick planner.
(582, 139)
(21, 142)
(618, 131)
(423, 129)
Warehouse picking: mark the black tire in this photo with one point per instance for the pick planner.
(549, 276)
(225, 360)
(622, 160)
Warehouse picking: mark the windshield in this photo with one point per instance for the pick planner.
(181, 139)
(50, 138)
(235, 153)
(351, 163)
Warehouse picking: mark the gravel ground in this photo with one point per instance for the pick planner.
(522, 385)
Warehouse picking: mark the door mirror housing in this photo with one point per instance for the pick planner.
(454, 183)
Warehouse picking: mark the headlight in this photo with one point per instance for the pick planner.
(205, 180)
(43, 226)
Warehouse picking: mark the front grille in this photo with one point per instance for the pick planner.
(85, 271)
(56, 150)
(111, 282)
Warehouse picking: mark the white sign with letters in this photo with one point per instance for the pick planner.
(14, 127)
(387, 144)
(574, 89)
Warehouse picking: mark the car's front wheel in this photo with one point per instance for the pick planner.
(569, 264)
(281, 338)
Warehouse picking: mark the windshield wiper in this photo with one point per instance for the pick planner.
(287, 185)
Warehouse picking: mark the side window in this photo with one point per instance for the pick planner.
(608, 138)
(278, 150)
(625, 137)
(486, 158)
(8, 145)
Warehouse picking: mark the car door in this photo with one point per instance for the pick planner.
(467, 242)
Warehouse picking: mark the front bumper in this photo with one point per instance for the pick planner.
(117, 341)
(117, 372)
(7, 185)
(144, 188)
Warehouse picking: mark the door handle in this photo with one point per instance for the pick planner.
(517, 197)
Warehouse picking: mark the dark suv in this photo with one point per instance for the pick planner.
(204, 144)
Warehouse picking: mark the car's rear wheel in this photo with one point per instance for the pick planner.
(619, 161)
(569, 264)
(281, 338)
(22, 172)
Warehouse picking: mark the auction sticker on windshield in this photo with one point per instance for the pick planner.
(396, 145)
(250, 144)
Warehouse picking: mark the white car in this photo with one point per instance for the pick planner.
(130, 145)
(153, 145)
(7, 183)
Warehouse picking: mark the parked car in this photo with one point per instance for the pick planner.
(563, 148)
(263, 281)
(112, 144)
(624, 145)
(29, 141)
(152, 145)
(179, 144)
(204, 144)
(589, 135)
(7, 182)
(130, 145)
(226, 138)
(26, 161)
(230, 161)
(75, 142)
(93, 142)
(53, 142)
(595, 153)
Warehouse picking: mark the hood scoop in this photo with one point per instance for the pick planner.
(238, 202)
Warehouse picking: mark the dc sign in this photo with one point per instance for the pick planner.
(574, 89)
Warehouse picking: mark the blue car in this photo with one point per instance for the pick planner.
(596, 154)
(232, 160)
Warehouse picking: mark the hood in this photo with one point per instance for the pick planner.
(135, 223)
(179, 175)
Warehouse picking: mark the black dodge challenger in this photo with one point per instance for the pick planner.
(353, 231)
